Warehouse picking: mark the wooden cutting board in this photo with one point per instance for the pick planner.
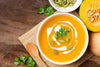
(30, 36)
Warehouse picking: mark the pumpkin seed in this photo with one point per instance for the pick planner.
(62, 41)
(70, 47)
(68, 39)
(52, 42)
(56, 36)
(55, 24)
(94, 15)
(70, 5)
(56, 52)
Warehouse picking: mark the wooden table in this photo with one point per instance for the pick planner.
(16, 18)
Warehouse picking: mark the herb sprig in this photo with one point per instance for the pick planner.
(24, 61)
(31, 62)
(47, 10)
(62, 32)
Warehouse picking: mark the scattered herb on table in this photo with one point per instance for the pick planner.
(24, 61)
(17, 61)
(31, 62)
(47, 10)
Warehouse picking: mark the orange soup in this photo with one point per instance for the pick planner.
(62, 38)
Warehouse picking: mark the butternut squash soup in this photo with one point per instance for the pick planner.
(62, 38)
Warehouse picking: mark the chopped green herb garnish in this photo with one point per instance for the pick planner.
(58, 33)
(16, 63)
(55, 24)
(46, 6)
(62, 32)
(56, 52)
(48, 10)
(31, 61)
(65, 32)
(29, 65)
(41, 10)
(23, 63)
(61, 29)
(68, 39)
(70, 47)
(62, 41)
(52, 42)
(22, 60)
(17, 59)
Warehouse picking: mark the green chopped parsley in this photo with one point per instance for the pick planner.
(24, 61)
(47, 10)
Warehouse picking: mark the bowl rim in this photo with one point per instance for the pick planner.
(74, 7)
(85, 45)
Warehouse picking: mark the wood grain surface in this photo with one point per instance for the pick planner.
(16, 18)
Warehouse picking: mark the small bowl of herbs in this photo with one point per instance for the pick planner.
(65, 5)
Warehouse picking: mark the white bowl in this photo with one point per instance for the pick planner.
(67, 9)
(85, 45)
